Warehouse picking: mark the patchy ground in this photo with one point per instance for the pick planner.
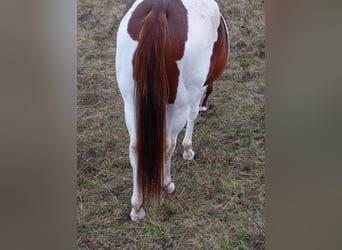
(220, 197)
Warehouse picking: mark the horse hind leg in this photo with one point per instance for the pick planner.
(169, 186)
(188, 153)
(204, 103)
(137, 212)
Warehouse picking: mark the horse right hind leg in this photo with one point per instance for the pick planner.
(188, 153)
(169, 186)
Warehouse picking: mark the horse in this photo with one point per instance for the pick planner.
(168, 54)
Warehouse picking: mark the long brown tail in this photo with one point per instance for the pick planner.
(151, 91)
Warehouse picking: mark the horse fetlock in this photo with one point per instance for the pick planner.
(133, 144)
(136, 202)
(203, 108)
(137, 215)
(187, 145)
(188, 154)
(170, 188)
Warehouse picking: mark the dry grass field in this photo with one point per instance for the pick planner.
(220, 196)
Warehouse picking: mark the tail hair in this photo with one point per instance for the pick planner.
(151, 95)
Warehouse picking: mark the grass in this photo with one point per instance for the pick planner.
(220, 196)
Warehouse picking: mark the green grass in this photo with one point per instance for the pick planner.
(220, 196)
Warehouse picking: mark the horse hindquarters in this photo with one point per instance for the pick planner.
(192, 28)
(147, 99)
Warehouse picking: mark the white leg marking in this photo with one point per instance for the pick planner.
(188, 153)
(203, 108)
(170, 188)
(168, 185)
(137, 216)
(137, 212)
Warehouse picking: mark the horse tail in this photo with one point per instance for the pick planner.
(151, 95)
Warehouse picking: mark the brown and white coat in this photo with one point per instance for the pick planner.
(168, 54)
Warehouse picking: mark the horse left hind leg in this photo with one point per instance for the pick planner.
(137, 212)
(204, 104)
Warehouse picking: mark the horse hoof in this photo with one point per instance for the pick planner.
(189, 155)
(202, 108)
(137, 216)
(170, 188)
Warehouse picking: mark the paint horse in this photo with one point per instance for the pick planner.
(169, 53)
